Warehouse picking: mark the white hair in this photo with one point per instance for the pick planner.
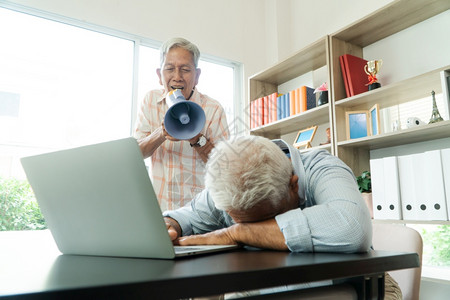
(247, 170)
(179, 43)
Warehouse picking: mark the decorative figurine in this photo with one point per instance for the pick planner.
(435, 115)
(328, 137)
(372, 68)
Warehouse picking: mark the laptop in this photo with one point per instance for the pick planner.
(99, 200)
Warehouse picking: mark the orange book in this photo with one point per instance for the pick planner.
(297, 101)
(302, 97)
(292, 104)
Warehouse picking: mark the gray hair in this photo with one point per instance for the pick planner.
(181, 43)
(247, 170)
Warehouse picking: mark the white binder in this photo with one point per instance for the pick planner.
(445, 156)
(408, 178)
(385, 188)
(422, 186)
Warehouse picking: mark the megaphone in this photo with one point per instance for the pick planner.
(184, 119)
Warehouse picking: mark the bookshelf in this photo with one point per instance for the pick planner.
(389, 20)
(309, 59)
(377, 26)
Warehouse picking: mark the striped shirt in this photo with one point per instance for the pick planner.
(177, 170)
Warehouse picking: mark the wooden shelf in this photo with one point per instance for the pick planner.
(407, 136)
(397, 93)
(306, 60)
(388, 20)
(315, 116)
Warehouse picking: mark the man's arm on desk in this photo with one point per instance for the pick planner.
(201, 223)
(265, 234)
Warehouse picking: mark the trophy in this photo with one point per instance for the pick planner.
(372, 68)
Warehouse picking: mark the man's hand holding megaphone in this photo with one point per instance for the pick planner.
(200, 143)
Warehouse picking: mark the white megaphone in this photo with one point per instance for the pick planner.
(184, 119)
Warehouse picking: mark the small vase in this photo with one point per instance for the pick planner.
(323, 98)
(374, 85)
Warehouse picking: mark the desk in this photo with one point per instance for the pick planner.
(31, 267)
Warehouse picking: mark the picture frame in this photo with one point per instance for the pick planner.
(374, 117)
(445, 82)
(357, 124)
(304, 137)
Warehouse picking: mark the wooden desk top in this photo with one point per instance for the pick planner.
(31, 265)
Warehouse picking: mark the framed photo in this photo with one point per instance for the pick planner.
(357, 124)
(374, 116)
(304, 137)
(445, 81)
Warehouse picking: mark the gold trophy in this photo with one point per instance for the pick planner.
(372, 68)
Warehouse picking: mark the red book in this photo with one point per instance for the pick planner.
(266, 110)
(356, 77)
(344, 75)
(273, 107)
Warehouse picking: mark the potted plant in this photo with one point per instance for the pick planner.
(365, 187)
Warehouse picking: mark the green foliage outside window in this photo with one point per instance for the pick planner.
(18, 207)
(436, 246)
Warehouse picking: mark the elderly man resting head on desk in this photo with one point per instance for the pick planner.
(267, 194)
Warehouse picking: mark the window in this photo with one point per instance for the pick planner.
(63, 86)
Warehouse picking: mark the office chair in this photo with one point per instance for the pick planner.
(397, 237)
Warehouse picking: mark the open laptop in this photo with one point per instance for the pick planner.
(99, 200)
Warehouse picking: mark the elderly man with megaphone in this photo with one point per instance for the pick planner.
(178, 126)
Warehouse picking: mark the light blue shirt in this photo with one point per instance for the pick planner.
(332, 216)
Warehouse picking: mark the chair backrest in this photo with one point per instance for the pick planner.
(397, 237)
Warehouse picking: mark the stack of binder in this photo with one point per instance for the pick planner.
(412, 187)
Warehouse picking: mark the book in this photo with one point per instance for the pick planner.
(311, 101)
(252, 109)
(260, 112)
(273, 107)
(265, 110)
(344, 75)
(279, 107)
(356, 77)
(292, 103)
(286, 105)
(307, 98)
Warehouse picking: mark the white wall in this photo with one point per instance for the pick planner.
(257, 33)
